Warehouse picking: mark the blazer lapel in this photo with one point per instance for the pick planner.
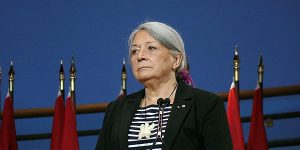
(127, 113)
(180, 108)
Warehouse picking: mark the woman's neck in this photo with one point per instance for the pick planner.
(160, 90)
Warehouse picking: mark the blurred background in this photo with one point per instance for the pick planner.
(36, 35)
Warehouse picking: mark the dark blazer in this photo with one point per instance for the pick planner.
(197, 121)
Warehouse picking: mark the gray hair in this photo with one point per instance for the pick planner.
(165, 35)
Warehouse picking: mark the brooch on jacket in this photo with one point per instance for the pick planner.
(145, 130)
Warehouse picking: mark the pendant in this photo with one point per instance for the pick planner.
(145, 130)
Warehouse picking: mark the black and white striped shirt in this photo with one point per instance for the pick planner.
(147, 114)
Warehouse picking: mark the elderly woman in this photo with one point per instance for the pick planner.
(167, 113)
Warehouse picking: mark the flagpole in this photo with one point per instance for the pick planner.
(72, 80)
(70, 136)
(236, 67)
(11, 76)
(233, 107)
(62, 80)
(124, 77)
(260, 83)
(257, 133)
(260, 73)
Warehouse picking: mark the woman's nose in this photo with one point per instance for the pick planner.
(142, 55)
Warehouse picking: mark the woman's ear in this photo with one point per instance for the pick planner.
(178, 59)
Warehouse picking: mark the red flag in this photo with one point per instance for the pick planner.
(257, 136)
(58, 123)
(234, 120)
(9, 139)
(1, 134)
(1, 130)
(70, 138)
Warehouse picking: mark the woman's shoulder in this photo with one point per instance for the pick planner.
(124, 99)
(206, 101)
(204, 98)
(205, 93)
(196, 92)
(199, 95)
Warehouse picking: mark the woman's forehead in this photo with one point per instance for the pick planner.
(143, 35)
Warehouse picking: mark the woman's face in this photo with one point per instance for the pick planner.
(150, 60)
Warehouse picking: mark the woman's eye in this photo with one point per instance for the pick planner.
(134, 51)
(152, 48)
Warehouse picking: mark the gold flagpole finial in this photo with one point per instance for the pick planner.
(236, 67)
(0, 74)
(72, 78)
(260, 70)
(124, 77)
(236, 64)
(61, 78)
(11, 78)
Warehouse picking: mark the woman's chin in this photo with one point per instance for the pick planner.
(143, 79)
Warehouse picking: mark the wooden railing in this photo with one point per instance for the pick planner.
(100, 107)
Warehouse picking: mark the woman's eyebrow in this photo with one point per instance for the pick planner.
(146, 43)
(151, 42)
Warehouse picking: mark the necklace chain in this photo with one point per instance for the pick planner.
(173, 90)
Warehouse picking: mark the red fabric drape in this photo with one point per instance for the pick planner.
(58, 123)
(70, 137)
(257, 137)
(9, 138)
(234, 120)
